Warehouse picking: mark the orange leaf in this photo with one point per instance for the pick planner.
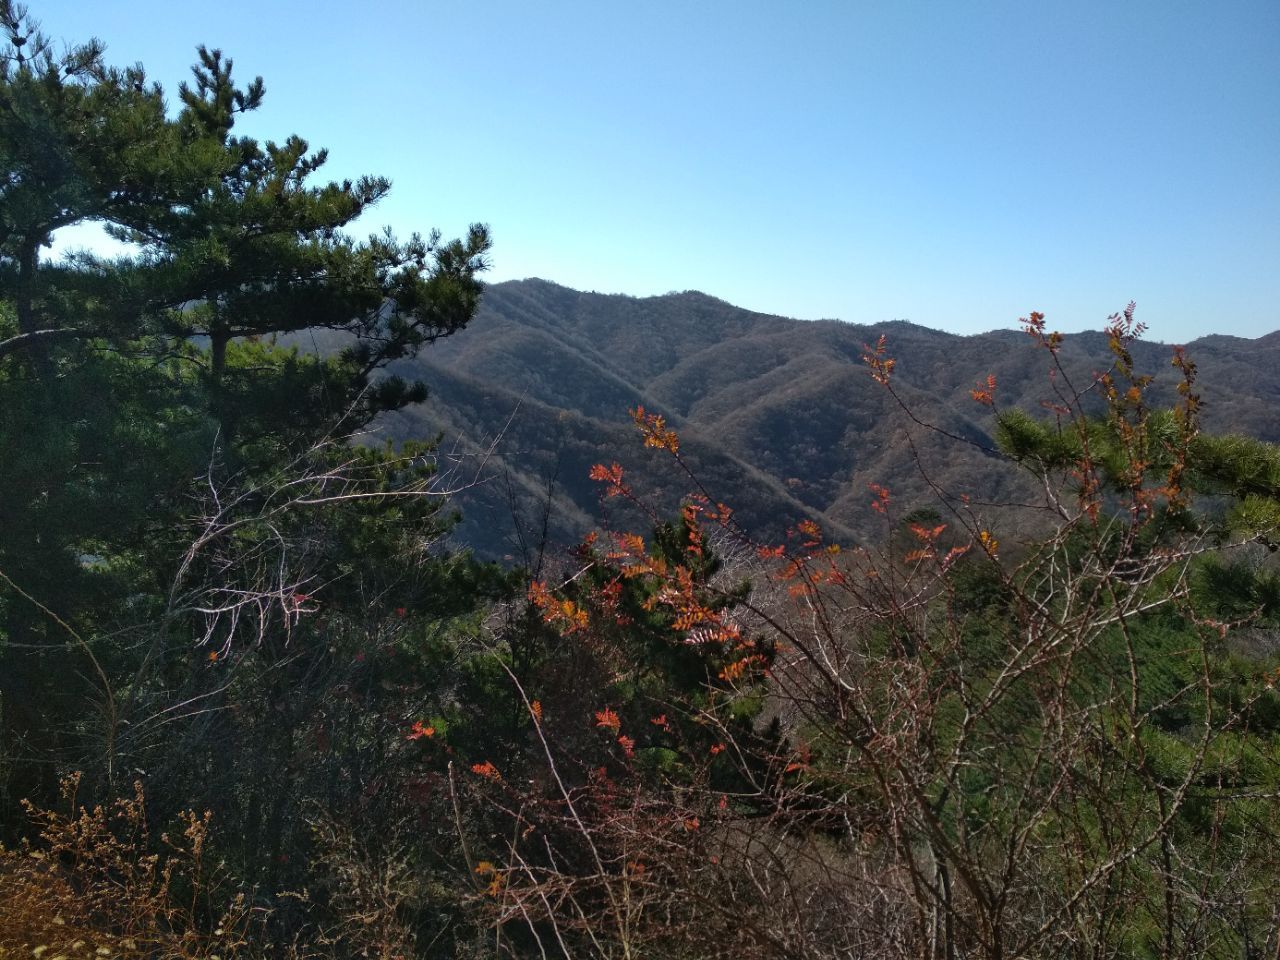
(881, 503)
(612, 475)
(418, 731)
(653, 427)
(881, 365)
(539, 595)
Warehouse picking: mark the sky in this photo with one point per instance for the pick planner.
(953, 164)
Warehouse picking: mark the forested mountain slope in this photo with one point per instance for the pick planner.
(779, 417)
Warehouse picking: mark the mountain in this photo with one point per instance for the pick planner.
(779, 418)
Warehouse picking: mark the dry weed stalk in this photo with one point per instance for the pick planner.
(96, 886)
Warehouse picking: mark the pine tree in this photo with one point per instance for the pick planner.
(163, 452)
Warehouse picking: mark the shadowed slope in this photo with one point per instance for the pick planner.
(780, 417)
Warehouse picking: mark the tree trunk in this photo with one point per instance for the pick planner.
(29, 330)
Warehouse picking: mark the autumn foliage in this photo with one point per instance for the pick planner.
(952, 743)
(255, 702)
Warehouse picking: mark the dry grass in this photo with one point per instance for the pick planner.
(96, 886)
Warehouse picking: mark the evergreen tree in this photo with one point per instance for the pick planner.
(178, 498)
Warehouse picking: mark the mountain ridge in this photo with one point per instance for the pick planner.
(780, 416)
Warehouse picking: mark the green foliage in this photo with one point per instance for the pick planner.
(686, 744)
(204, 584)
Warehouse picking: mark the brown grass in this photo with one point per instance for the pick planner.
(97, 885)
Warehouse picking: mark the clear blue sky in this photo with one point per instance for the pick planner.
(951, 163)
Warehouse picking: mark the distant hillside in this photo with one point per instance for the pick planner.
(780, 418)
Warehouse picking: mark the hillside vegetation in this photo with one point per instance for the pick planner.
(862, 652)
(777, 415)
